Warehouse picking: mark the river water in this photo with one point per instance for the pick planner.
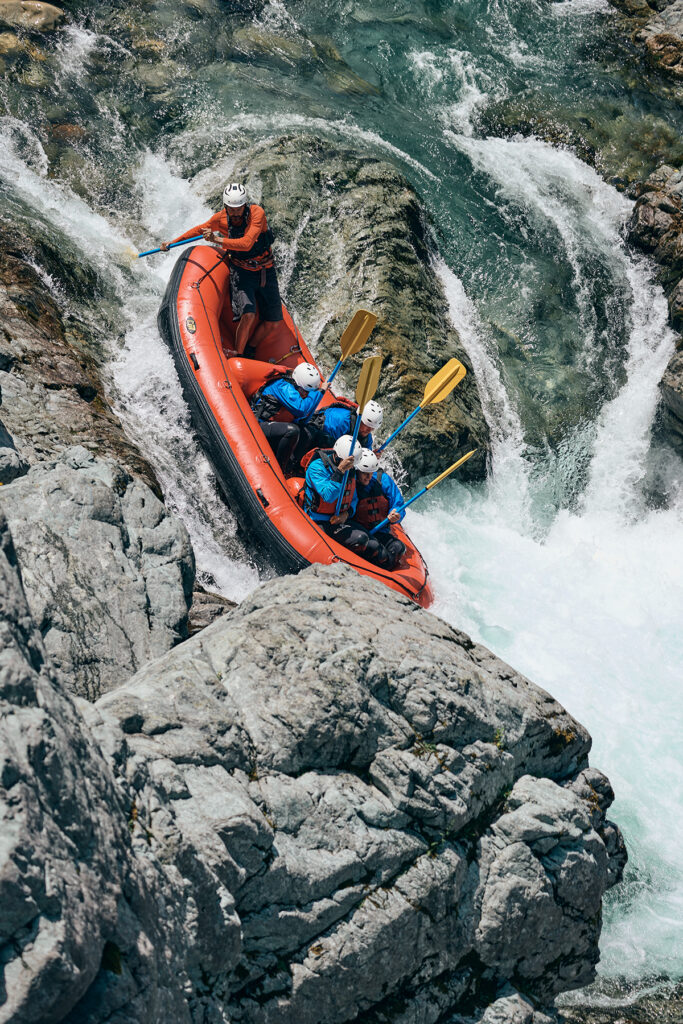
(568, 562)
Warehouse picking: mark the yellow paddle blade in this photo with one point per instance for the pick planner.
(448, 472)
(357, 333)
(443, 382)
(128, 254)
(368, 380)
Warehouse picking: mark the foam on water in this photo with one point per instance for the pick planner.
(252, 126)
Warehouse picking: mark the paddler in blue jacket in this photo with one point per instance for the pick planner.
(324, 475)
(339, 420)
(379, 498)
(298, 395)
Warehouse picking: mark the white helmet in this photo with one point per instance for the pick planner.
(306, 376)
(372, 415)
(234, 195)
(342, 449)
(368, 461)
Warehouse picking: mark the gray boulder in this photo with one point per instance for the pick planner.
(108, 571)
(389, 809)
(80, 907)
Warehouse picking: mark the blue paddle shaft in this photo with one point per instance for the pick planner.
(385, 522)
(344, 478)
(398, 430)
(150, 252)
(329, 381)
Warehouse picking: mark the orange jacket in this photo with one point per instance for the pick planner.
(257, 225)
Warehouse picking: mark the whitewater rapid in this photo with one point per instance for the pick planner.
(588, 603)
(559, 563)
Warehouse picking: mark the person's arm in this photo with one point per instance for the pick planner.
(393, 496)
(257, 224)
(322, 484)
(212, 224)
(298, 406)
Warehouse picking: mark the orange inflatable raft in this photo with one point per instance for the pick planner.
(196, 322)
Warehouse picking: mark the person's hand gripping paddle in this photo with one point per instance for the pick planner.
(367, 385)
(351, 341)
(442, 476)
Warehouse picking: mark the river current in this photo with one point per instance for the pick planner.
(568, 561)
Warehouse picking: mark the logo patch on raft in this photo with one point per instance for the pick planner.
(191, 324)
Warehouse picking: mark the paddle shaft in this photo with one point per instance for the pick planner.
(346, 474)
(433, 483)
(185, 241)
(398, 430)
(385, 522)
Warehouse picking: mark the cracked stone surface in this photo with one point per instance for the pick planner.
(396, 813)
(108, 572)
(83, 902)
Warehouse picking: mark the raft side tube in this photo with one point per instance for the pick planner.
(250, 511)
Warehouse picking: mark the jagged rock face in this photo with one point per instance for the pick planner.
(52, 393)
(663, 37)
(388, 804)
(657, 228)
(659, 26)
(11, 463)
(364, 243)
(108, 571)
(79, 906)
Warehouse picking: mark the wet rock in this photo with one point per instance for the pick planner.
(368, 804)
(11, 463)
(656, 227)
(107, 570)
(30, 14)
(510, 1007)
(10, 44)
(663, 38)
(67, 132)
(365, 242)
(52, 393)
(86, 909)
(672, 382)
(206, 608)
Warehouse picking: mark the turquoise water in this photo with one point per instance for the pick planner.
(568, 561)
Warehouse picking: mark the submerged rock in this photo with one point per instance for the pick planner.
(351, 233)
(108, 572)
(30, 14)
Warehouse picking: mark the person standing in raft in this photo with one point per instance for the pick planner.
(241, 229)
(295, 393)
(379, 498)
(325, 470)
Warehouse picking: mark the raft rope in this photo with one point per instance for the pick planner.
(219, 351)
